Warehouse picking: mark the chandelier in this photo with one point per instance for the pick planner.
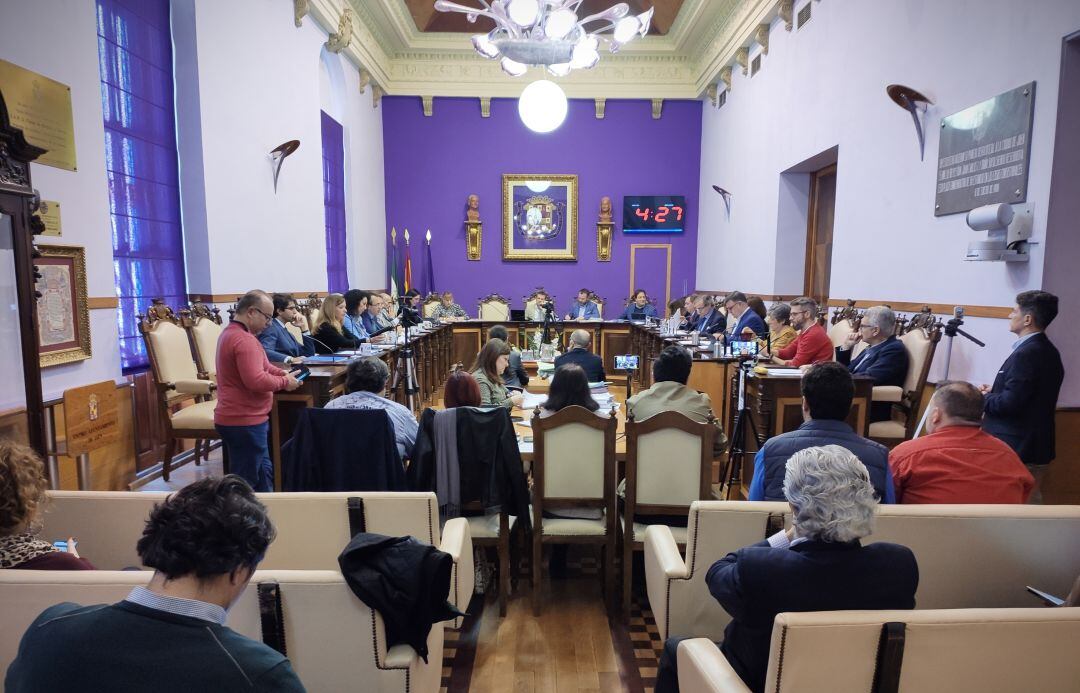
(548, 33)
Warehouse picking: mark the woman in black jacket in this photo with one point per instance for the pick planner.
(329, 332)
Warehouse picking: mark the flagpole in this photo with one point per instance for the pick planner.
(430, 266)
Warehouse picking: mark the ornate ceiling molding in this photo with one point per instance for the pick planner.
(399, 59)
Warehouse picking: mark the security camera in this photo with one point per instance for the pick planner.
(1007, 232)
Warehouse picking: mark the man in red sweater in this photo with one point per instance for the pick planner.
(813, 344)
(246, 383)
(958, 462)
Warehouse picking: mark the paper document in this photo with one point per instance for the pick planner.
(784, 372)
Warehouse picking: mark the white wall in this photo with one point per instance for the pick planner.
(58, 38)
(259, 86)
(824, 86)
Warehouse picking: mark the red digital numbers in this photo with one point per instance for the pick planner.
(661, 214)
(678, 214)
(643, 213)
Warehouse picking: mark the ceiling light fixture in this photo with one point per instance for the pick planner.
(548, 33)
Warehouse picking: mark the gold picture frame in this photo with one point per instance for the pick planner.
(540, 217)
(62, 314)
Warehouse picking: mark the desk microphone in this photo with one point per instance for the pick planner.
(328, 347)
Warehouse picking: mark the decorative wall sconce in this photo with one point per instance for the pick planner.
(914, 103)
(278, 154)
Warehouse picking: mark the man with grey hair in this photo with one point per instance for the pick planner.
(817, 565)
(709, 320)
(579, 353)
(884, 359)
(246, 383)
(365, 383)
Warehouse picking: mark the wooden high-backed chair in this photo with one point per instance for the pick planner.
(599, 303)
(920, 338)
(494, 307)
(573, 467)
(203, 325)
(843, 322)
(530, 301)
(668, 467)
(431, 302)
(177, 380)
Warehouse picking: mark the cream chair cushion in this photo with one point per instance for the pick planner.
(679, 533)
(333, 640)
(839, 332)
(888, 429)
(668, 468)
(205, 333)
(194, 417)
(494, 311)
(487, 526)
(572, 527)
(574, 462)
(172, 352)
(918, 346)
(296, 333)
(429, 308)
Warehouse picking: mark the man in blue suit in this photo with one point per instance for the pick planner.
(817, 565)
(583, 308)
(710, 320)
(884, 359)
(280, 345)
(736, 305)
(1020, 407)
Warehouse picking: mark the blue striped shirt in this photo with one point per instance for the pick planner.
(177, 605)
(405, 426)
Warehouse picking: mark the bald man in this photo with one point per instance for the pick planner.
(579, 353)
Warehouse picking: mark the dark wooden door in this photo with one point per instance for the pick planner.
(819, 234)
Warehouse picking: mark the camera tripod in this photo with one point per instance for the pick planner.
(732, 474)
(952, 328)
(405, 364)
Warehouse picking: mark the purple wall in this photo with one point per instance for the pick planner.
(434, 163)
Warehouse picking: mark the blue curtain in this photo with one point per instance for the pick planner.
(135, 63)
(333, 160)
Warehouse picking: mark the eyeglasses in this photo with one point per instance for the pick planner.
(268, 317)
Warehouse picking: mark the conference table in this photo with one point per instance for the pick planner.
(773, 402)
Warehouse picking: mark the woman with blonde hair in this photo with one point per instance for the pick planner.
(488, 368)
(329, 329)
(22, 497)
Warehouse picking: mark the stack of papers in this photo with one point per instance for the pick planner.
(784, 372)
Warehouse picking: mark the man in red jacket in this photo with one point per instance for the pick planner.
(246, 383)
(957, 461)
(813, 344)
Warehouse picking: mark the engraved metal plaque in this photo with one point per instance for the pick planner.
(983, 152)
(41, 107)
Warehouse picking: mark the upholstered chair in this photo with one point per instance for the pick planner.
(184, 400)
(843, 322)
(599, 303)
(668, 467)
(431, 302)
(530, 300)
(573, 468)
(494, 308)
(920, 343)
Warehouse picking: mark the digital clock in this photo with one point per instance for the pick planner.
(653, 213)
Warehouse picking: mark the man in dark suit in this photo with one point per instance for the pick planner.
(710, 320)
(1021, 404)
(579, 353)
(884, 359)
(817, 565)
(746, 319)
(280, 345)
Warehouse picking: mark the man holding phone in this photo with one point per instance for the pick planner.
(246, 386)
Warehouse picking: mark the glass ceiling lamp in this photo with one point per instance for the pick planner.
(549, 34)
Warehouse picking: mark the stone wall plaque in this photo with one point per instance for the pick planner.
(984, 152)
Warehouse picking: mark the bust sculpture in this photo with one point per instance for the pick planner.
(472, 210)
(605, 210)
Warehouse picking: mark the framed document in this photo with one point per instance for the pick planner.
(539, 217)
(63, 318)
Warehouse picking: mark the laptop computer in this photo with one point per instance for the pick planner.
(517, 315)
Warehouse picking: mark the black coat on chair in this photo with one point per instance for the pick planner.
(342, 450)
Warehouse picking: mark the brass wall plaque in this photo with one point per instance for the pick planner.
(91, 417)
(41, 108)
(49, 211)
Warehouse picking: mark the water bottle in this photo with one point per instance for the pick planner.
(716, 349)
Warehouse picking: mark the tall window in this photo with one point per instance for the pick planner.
(135, 62)
(333, 173)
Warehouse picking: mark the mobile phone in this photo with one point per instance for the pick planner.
(63, 545)
(626, 362)
(300, 373)
(747, 348)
